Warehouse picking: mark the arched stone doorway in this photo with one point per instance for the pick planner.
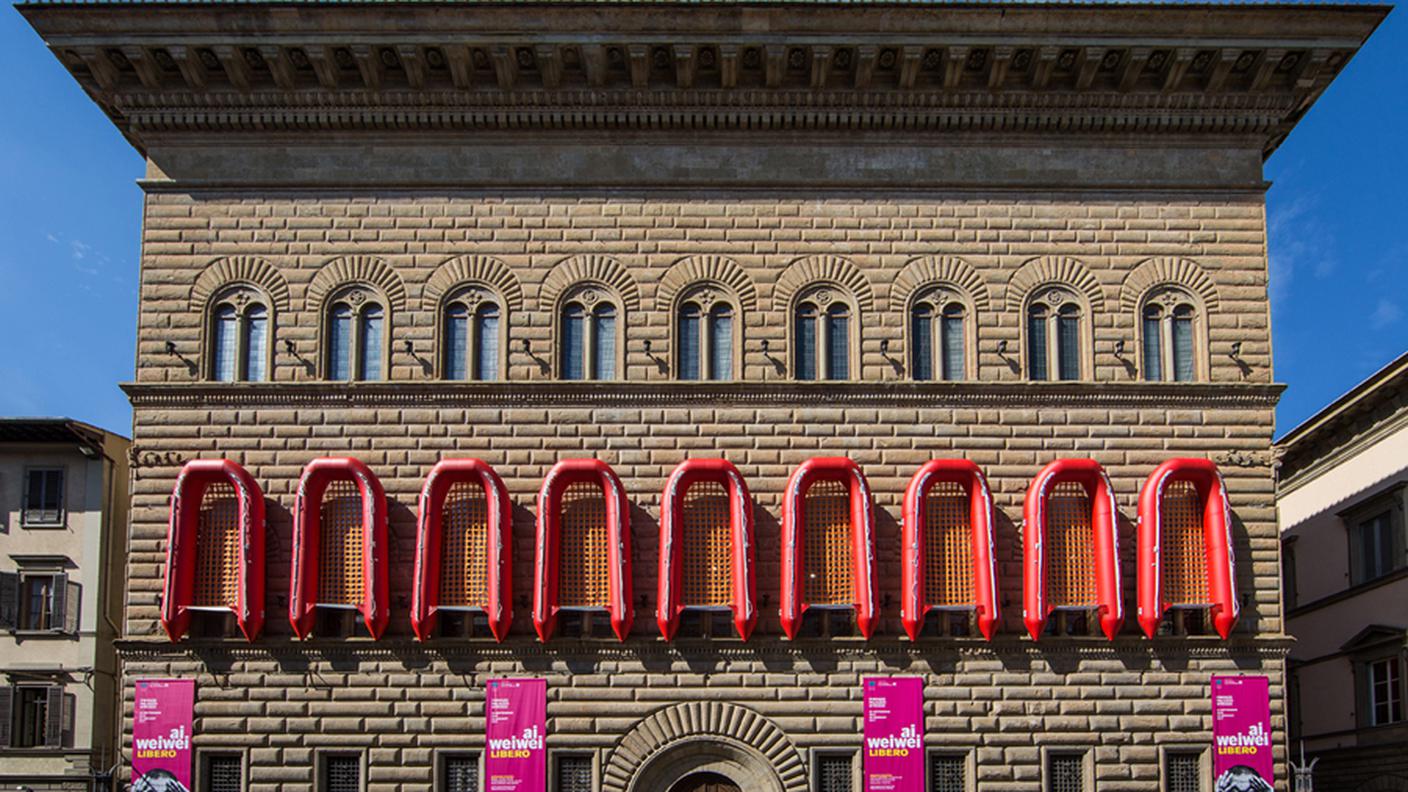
(705, 782)
(699, 743)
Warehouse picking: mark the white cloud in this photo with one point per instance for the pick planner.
(1385, 314)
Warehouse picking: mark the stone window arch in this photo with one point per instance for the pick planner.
(941, 334)
(825, 333)
(1056, 334)
(590, 334)
(708, 333)
(239, 335)
(472, 334)
(1172, 336)
(356, 334)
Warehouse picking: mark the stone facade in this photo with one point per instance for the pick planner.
(1079, 180)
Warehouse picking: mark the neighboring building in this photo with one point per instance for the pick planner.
(382, 236)
(1342, 491)
(63, 541)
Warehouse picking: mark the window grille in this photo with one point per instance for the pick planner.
(953, 368)
(223, 773)
(486, 357)
(1183, 344)
(604, 342)
(707, 546)
(1070, 560)
(833, 773)
(224, 344)
(1183, 553)
(256, 338)
(340, 343)
(340, 580)
(342, 774)
(456, 342)
(721, 342)
(948, 538)
(838, 349)
(921, 337)
(461, 774)
(369, 344)
(805, 354)
(582, 559)
(1036, 343)
(688, 335)
(948, 773)
(1183, 772)
(217, 579)
(574, 773)
(44, 497)
(574, 336)
(1065, 773)
(1153, 344)
(1068, 342)
(464, 547)
(826, 514)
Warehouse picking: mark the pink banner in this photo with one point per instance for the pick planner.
(1241, 734)
(516, 727)
(163, 714)
(894, 734)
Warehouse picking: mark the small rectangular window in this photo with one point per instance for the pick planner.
(460, 773)
(48, 602)
(37, 716)
(1376, 546)
(1065, 772)
(1386, 691)
(341, 774)
(1037, 346)
(573, 773)
(43, 497)
(948, 773)
(953, 347)
(834, 773)
(1068, 343)
(1183, 771)
(222, 773)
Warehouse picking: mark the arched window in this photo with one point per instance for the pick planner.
(823, 336)
(239, 338)
(1169, 337)
(1055, 336)
(356, 336)
(704, 337)
(470, 336)
(588, 328)
(937, 333)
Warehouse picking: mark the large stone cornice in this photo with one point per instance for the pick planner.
(658, 394)
(1022, 69)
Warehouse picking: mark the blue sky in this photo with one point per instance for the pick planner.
(70, 213)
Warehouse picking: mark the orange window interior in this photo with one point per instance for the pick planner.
(1183, 556)
(218, 549)
(340, 565)
(582, 563)
(1070, 553)
(464, 547)
(826, 531)
(706, 547)
(948, 540)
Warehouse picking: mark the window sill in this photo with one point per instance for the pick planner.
(1349, 593)
(31, 526)
(42, 634)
